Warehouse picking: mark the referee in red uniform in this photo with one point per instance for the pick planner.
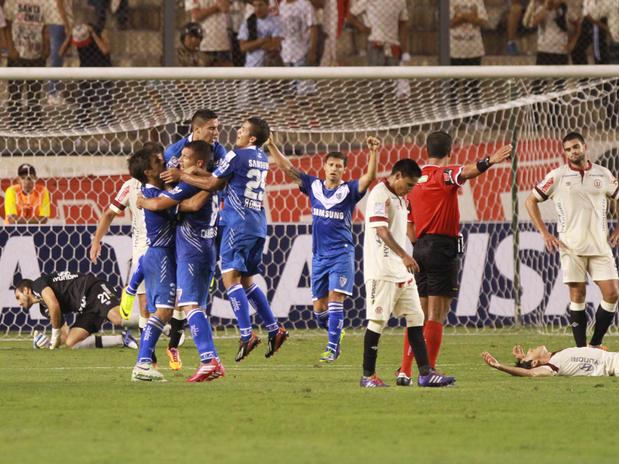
(434, 228)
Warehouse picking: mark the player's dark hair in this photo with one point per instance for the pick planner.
(438, 144)
(407, 167)
(259, 129)
(204, 152)
(573, 136)
(201, 116)
(524, 364)
(155, 147)
(338, 155)
(139, 163)
(23, 285)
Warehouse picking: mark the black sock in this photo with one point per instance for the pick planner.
(578, 320)
(98, 341)
(603, 319)
(418, 345)
(370, 352)
(176, 330)
(154, 357)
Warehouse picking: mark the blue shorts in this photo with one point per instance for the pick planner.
(159, 266)
(194, 271)
(241, 254)
(333, 273)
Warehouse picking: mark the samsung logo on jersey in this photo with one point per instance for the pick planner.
(328, 214)
(258, 164)
(253, 204)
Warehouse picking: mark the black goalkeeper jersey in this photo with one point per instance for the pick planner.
(71, 290)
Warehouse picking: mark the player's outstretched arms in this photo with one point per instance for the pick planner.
(473, 170)
(515, 371)
(282, 162)
(102, 228)
(370, 173)
(385, 235)
(551, 242)
(155, 204)
(193, 204)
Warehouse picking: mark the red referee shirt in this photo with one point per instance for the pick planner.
(434, 201)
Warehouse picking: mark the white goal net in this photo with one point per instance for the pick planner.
(79, 149)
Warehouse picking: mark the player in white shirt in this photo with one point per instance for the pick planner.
(570, 362)
(388, 274)
(581, 192)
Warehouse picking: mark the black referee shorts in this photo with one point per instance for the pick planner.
(99, 300)
(437, 256)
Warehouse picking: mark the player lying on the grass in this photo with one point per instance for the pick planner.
(243, 173)
(159, 265)
(577, 361)
(195, 250)
(65, 292)
(332, 204)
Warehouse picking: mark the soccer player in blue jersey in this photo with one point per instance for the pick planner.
(332, 202)
(195, 253)
(158, 262)
(243, 172)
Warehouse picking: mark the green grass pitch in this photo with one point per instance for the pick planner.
(81, 407)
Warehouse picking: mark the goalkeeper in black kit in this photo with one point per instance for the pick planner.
(61, 293)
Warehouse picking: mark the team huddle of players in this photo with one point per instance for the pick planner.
(180, 232)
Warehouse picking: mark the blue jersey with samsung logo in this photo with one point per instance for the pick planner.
(331, 214)
(172, 154)
(198, 225)
(160, 225)
(246, 170)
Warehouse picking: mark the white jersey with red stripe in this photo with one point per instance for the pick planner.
(384, 208)
(590, 362)
(581, 201)
(127, 197)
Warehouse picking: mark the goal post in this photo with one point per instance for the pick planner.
(79, 149)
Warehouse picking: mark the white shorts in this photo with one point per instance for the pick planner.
(575, 268)
(384, 298)
(138, 252)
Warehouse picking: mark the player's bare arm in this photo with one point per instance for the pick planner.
(193, 204)
(102, 228)
(385, 235)
(282, 162)
(370, 173)
(411, 232)
(55, 316)
(551, 242)
(513, 370)
(472, 170)
(155, 204)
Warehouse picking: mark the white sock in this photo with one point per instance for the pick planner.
(100, 341)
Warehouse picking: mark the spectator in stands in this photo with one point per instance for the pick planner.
(59, 26)
(213, 17)
(260, 37)
(3, 30)
(556, 30)
(27, 201)
(387, 26)
(300, 33)
(28, 46)
(189, 53)
(118, 7)
(93, 49)
(514, 16)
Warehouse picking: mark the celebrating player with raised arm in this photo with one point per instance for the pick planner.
(195, 254)
(580, 191)
(388, 274)
(62, 293)
(243, 172)
(332, 203)
(569, 362)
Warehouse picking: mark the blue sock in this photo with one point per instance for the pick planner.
(149, 338)
(322, 319)
(336, 322)
(258, 300)
(240, 306)
(202, 334)
(136, 279)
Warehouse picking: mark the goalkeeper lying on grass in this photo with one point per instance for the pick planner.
(539, 362)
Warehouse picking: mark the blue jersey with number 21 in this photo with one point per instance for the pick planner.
(246, 170)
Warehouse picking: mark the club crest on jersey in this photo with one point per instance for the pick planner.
(343, 281)
(597, 183)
